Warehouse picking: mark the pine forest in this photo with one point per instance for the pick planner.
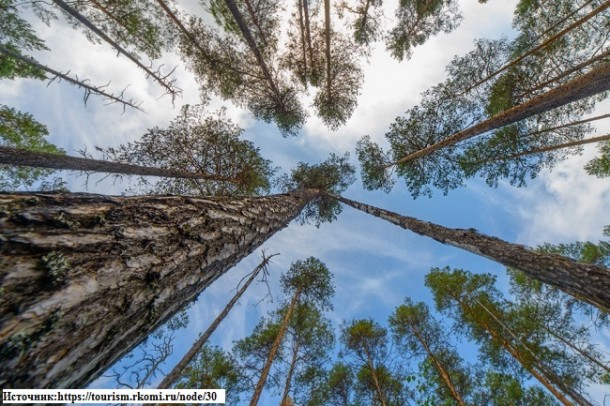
(307, 202)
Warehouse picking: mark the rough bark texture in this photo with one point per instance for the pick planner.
(589, 84)
(84, 278)
(22, 157)
(587, 282)
(174, 374)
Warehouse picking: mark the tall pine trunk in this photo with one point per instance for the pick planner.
(174, 374)
(258, 390)
(593, 82)
(84, 278)
(587, 282)
(22, 157)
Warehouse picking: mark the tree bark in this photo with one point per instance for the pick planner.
(22, 157)
(589, 84)
(84, 278)
(378, 390)
(83, 20)
(274, 349)
(174, 374)
(587, 282)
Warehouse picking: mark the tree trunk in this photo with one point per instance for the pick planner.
(329, 80)
(587, 282)
(589, 84)
(577, 350)
(293, 363)
(378, 390)
(245, 31)
(308, 33)
(303, 39)
(174, 374)
(547, 149)
(274, 349)
(544, 44)
(88, 88)
(539, 364)
(84, 278)
(83, 20)
(444, 374)
(22, 157)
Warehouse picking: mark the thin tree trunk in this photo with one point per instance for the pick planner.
(23, 157)
(587, 282)
(543, 45)
(109, 14)
(85, 278)
(590, 84)
(204, 53)
(243, 27)
(329, 80)
(514, 352)
(88, 88)
(83, 20)
(380, 395)
(540, 365)
(308, 32)
(547, 149)
(258, 390)
(567, 72)
(445, 376)
(293, 362)
(577, 350)
(303, 39)
(255, 21)
(174, 374)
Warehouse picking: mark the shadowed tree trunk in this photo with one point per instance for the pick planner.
(587, 282)
(84, 278)
(174, 374)
(22, 157)
(595, 81)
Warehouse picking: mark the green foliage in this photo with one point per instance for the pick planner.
(600, 166)
(21, 130)
(17, 35)
(419, 20)
(312, 279)
(373, 159)
(213, 369)
(337, 97)
(201, 143)
(56, 268)
(332, 176)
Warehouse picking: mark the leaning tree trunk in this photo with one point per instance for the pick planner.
(258, 390)
(174, 374)
(587, 282)
(84, 278)
(23, 157)
(595, 81)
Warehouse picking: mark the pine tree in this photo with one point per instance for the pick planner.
(106, 271)
(587, 282)
(307, 281)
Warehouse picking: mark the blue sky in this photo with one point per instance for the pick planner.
(375, 263)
